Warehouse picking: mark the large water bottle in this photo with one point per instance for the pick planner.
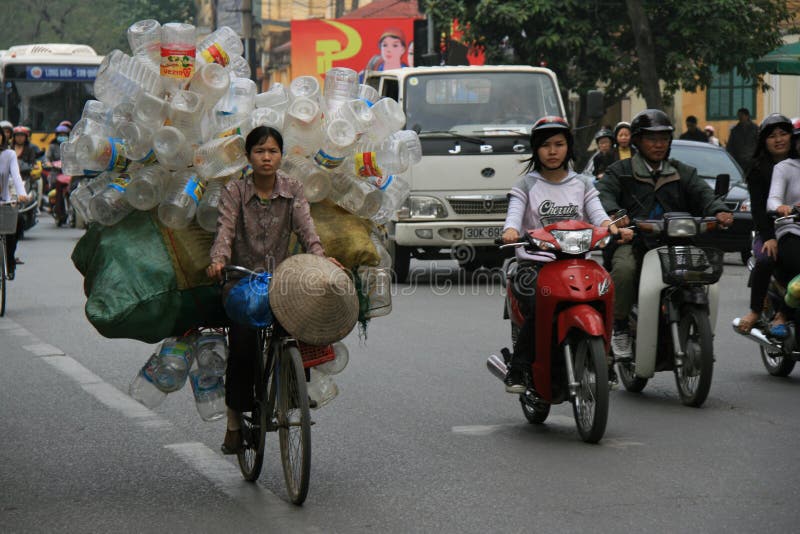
(90, 126)
(120, 78)
(212, 353)
(147, 185)
(149, 110)
(176, 356)
(110, 206)
(316, 181)
(321, 387)
(171, 148)
(389, 118)
(138, 140)
(276, 98)
(211, 82)
(185, 114)
(267, 117)
(348, 192)
(81, 198)
(144, 38)
(236, 104)
(304, 87)
(101, 153)
(412, 143)
(177, 55)
(340, 136)
(181, 198)
(208, 209)
(220, 157)
(143, 387)
(96, 111)
(209, 394)
(368, 94)
(239, 68)
(376, 284)
(341, 85)
(302, 133)
(219, 47)
(357, 113)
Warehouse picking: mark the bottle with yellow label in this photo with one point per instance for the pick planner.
(219, 47)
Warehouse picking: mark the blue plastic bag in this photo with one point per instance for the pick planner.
(248, 301)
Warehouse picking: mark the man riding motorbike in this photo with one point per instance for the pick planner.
(647, 186)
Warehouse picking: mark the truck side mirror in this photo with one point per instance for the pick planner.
(722, 186)
(594, 104)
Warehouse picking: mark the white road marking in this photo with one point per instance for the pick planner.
(477, 430)
(258, 501)
(43, 349)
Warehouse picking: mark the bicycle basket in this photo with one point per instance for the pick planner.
(314, 355)
(8, 218)
(690, 265)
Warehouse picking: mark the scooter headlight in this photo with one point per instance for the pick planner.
(574, 241)
(683, 227)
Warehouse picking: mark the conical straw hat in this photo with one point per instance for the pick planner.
(313, 299)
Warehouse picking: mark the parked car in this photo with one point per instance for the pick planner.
(711, 161)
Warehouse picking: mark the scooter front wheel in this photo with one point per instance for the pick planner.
(590, 403)
(693, 377)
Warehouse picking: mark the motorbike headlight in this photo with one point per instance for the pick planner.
(574, 241)
(685, 227)
(422, 208)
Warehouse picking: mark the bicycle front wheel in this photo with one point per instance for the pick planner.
(294, 425)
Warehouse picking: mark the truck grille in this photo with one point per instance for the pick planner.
(479, 207)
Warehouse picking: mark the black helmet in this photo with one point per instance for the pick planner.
(604, 132)
(543, 129)
(651, 120)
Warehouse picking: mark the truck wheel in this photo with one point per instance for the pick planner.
(401, 260)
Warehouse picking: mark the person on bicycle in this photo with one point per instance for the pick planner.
(257, 215)
(647, 186)
(9, 172)
(550, 191)
(774, 144)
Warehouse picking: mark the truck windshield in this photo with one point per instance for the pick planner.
(479, 102)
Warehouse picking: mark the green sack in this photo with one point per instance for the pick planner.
(142, 282)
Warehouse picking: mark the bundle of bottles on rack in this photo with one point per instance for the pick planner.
(167, 131)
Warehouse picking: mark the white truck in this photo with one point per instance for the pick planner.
(474, 125)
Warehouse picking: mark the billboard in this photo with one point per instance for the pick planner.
(321, 44)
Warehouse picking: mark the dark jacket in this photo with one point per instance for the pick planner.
(695, 135)
(759, 180)
(742, 143)
(679, 189)
(601, 161)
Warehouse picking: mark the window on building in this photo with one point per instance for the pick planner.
(727, 93)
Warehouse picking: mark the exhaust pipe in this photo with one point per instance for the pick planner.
(497, 366)
(757, 336)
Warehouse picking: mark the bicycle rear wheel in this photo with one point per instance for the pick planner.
(294, 425)
(2, 276)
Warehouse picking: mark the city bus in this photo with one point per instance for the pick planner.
(44, 84)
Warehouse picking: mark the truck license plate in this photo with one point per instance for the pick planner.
(483, 232)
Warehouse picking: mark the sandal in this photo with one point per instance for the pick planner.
(779, 331)
(745, 325)
(233, 442)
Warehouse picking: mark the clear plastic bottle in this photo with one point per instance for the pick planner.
(177, 55)
(138, 140)
(383, 254)
(321, 388)
(395, 193)
(368, 94)
(305, 87)
(220, 157)
(209, 394)
(211, 82)
(348, 192)
(276, 98)
(120, 78)
(219, 47)
(208, 208)
(146, 188)
(185, 114)
(101, 153)
(267, 117)
(376, 283)
(81, 198)
(96, 111)
(340, 136)
(357, 113)
(171, 148)
(110, 206)
(143, 387)
(236, 104)
(383, 161)
(337, 365)
(175, 360)
(212, 353)
(144, 38)
(413, 145)
(149, 110)
(239, 68)
(302, 133)
(373, 200)
(316, 181)
(89, 126)
(69, 160)
(389, 118)
(181, 198)
(341, 85)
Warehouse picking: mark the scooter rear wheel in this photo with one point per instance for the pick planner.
(630, 381)
(776, 363)
(535, 412)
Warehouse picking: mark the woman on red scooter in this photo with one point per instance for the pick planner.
(549, 191)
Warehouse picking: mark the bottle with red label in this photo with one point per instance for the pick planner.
(219, 47)
(382, 160)
(182, 196)
(177, 55)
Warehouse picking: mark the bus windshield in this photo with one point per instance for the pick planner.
(480, 102)
(39, 101)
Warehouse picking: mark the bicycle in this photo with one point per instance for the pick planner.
(8, 225)
(281, 405)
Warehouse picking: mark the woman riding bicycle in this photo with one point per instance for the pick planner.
(9, 171)
(257, 215)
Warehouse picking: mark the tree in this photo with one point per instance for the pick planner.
(652, 47)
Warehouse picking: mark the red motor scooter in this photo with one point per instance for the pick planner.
(574, 317)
